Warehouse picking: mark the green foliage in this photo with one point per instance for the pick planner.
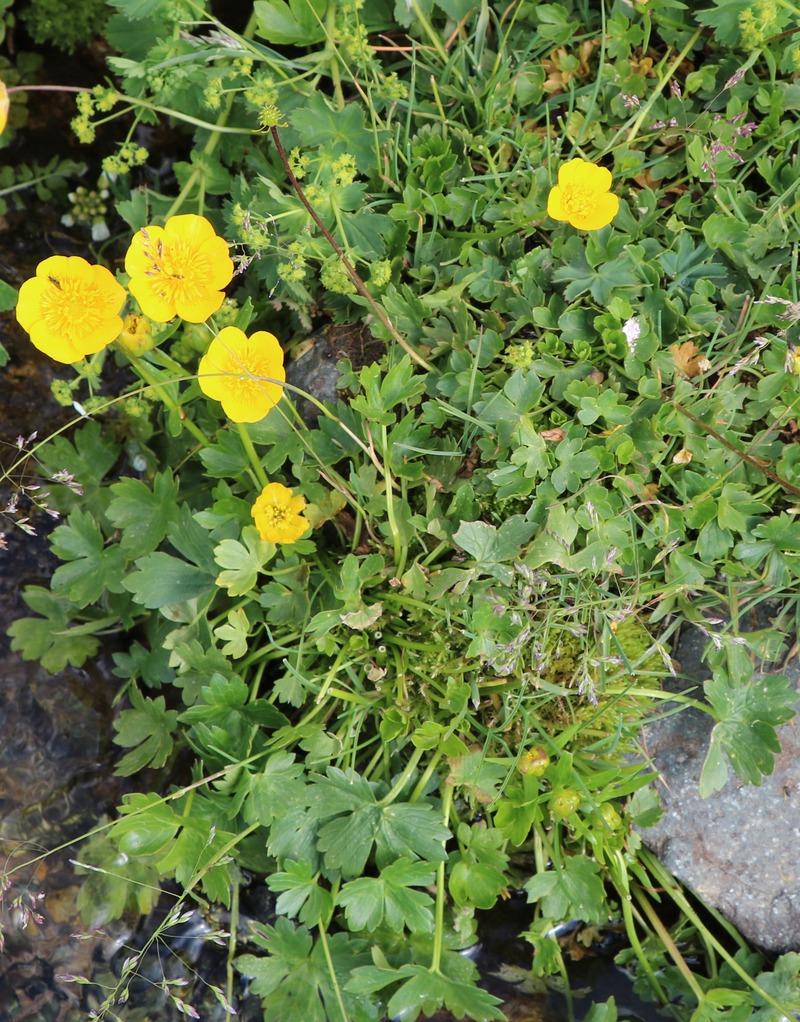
(147, 727)
(548, 447)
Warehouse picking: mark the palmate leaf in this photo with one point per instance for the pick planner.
(91, 567)
(161, 579)
(399, 829)
(297, 23)
(49, 638)
(425, 992)
(747, 716)
(87, 457)
(390, 898)
(147, 729)
(242, 561)
(294, 980)
(573, 889)
(301, 895)
(276, 789)
(144, 514)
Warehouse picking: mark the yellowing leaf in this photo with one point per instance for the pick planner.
(687, 359)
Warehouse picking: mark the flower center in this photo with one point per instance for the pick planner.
(71, 306)
(579, 200)
(276, 514)
(179, 272)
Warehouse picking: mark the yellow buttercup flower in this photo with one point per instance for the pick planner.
(244, 373)
(70, 308)
(5, 103)
(137, 334)
(582, 196)
(179, 269)
(277, 514)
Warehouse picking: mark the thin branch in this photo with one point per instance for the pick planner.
(351, 271)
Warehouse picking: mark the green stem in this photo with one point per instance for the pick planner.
(419, 787)
(233, 924)
(665, 880)
(403, 779)
(158, 386)
(323, 937)
(656, 93)
(255, 461)
(435, 41)
(333, 63)
(438, 937)
(669, 944)
(622, 883)
(400, 549)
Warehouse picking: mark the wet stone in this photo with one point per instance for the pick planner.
(736, 849)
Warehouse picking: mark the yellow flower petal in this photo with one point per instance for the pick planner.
(244, 373)
(604, 212)
(276, 513)
(587, 175)
(179, 270)
(5, 103)
(70, 308)
(555, 204)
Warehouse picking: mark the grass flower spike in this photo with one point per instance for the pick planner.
(244, 373)
(582, 196)
(179, 269)
(277, 514)
(70, 308)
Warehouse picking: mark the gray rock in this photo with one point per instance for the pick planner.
(736, 849)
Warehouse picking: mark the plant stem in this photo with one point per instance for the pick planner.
(323, 937)
(403, 779)
(438, 937)
(157, 385)
(255, 461)
(359, 284)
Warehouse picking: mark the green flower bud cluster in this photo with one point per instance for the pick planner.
(263, 95)
(335, 278)
(389, 89)
(344, 169)
(128, 155)
(299, 163)
(212, 94)
(520, 356)
(380, 273)
(759, 22)
(294, 269)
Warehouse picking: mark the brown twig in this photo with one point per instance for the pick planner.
(751, 459)
(351, 271)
